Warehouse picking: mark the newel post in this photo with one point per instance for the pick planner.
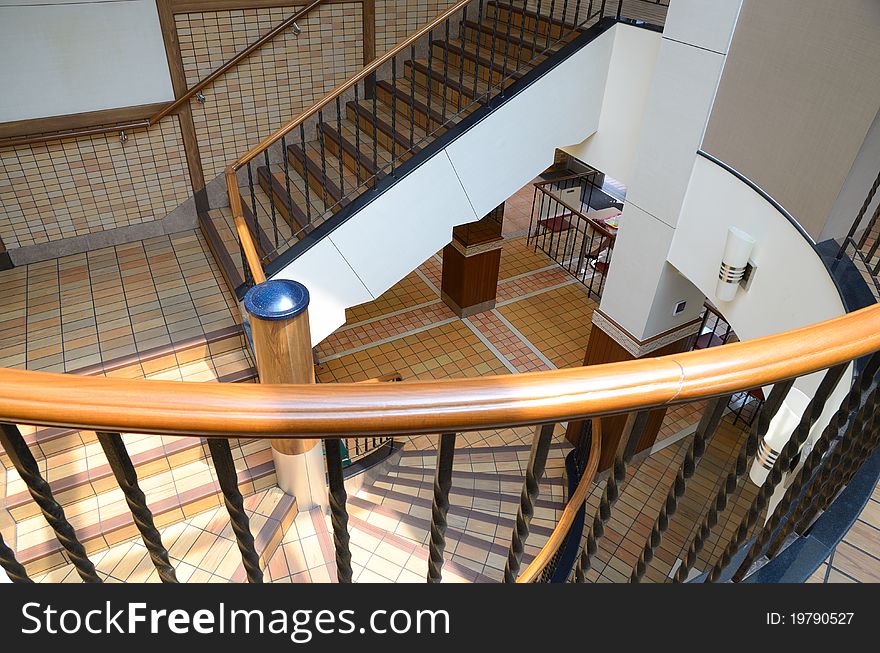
(279, 320)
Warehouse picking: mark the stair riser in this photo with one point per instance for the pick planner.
(350, 160)
(537, 25)
(292, 214)
(405, 111)
(382, 133)
(53, 559)
(524, 51)
(315, 176)
(469, 62)
(454, 96)
(108, 483)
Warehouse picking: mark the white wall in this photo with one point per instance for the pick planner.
(642, 287)
(612, 148)
(791, 287)
(412, 220)
(66, 57)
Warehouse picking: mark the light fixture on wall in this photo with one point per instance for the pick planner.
(296, 29)
(735, 267)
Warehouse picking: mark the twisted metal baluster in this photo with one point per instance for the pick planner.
(780, 466)
(530, 491)
(817, 467)
(550, 24)
(476, 50)
(705, 431)
(461, 66)
(610, 495)
(492, 47)
(820, 492)
(27, 468)
(305, 162)
(412, 93)
(126, 476)
(357, 135)
(440, 506)
(286, 164)
(507, 43)
(271, 193)
(859, 216)
(250, 177)
(731, 482)
(13, 568)
(339, 149)
(323, 160)
(221, 454)
(338, 511)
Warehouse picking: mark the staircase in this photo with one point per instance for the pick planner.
(174, 472)
(360, 149)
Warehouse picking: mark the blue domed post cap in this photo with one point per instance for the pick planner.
(277, 299)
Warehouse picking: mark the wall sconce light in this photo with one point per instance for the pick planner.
(778, 434)
(296, 29)
(735, 267)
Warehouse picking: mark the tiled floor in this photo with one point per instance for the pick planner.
(65, 314)
(131, 298)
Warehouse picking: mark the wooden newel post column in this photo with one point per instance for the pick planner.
(279, 320)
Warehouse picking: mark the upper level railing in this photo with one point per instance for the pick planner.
(375, 126)
(171, 107)
(566, 228)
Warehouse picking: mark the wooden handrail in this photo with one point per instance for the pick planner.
(563, 526)
(352, 410)
(171, 107)
(245, 238)
(362, 74)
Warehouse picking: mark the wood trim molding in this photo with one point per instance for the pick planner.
(639, 348)
(18, 128)
(185, 117)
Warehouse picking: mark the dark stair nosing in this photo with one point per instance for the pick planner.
(285, 205)
(313, 170)
(125, 519)
(435, 76)
(484, 62)
(382, 126)
(346, 147)
(415, 105)
(514, 38)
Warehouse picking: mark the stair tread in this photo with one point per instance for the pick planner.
(104, 517)
(468, 80)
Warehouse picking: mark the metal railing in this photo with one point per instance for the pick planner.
(566, 229)
(862, 243)
(373, 127)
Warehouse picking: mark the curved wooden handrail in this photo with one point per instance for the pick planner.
(362, 74)
(171, 107)
(245, 238)
(352, 410)
(563, 526)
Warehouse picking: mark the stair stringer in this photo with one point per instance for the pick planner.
(484, 165)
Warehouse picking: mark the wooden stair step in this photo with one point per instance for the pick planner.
(427, 113)
(523, 44)
(275, 186)
(362, 112)
(323, 180)
(465, 54)
(110, 524)
(357, 160)
(460, 93)
(540, 24)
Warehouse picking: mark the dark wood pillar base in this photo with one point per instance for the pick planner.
(470, 265)
(610, 343)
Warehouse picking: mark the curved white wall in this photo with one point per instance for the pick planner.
(791, 287)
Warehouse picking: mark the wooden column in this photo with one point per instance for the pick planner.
(610, 343)
(184, 114)
(471, 263)
(279, 321)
